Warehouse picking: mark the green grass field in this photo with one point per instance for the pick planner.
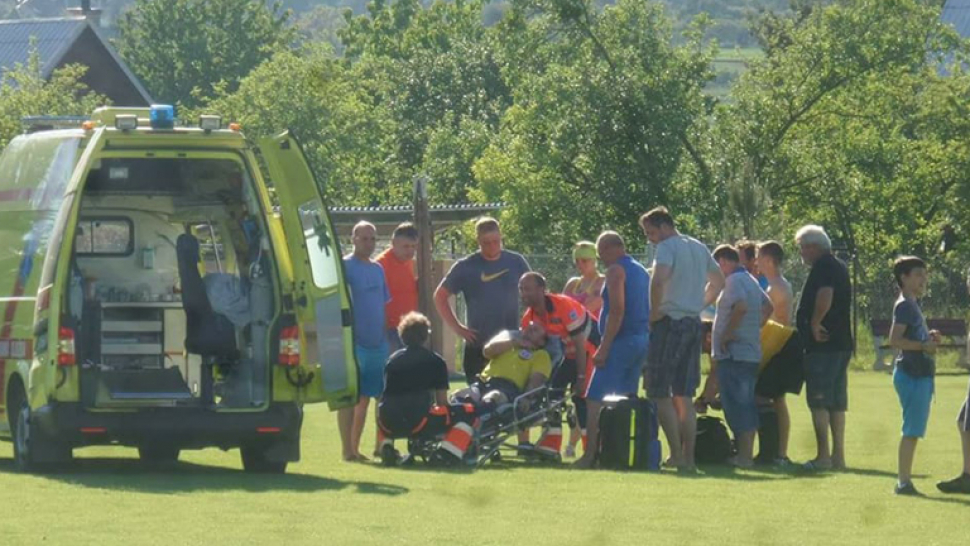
(109, 498)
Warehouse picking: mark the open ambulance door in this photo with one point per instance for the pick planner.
(321, 300)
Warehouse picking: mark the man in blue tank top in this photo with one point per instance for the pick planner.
(623, 327)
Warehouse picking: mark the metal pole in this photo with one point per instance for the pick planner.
(422, 220)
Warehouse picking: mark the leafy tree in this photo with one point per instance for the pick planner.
(180, 49)
(347, 141)
(604, 109)
(23, 92)
(436, 72)
(834, 126)
(322, 24)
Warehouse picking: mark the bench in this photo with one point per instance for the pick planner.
(953, 329)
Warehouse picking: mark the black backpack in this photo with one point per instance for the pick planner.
(713, 444)
(628, 437)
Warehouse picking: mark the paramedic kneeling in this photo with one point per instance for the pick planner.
(415, 398)
(623, 325)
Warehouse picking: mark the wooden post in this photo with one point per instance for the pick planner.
(422, 220)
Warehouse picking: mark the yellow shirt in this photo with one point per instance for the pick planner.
(518, 365)
(774, 336)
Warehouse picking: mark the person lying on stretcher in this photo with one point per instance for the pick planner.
(518, 362)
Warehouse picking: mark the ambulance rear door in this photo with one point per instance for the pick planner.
(321, 300)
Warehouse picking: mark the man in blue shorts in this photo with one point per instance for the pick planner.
(915, 363)
(623, 327)
(368, 291)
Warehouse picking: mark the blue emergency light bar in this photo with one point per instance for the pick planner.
(162, 116)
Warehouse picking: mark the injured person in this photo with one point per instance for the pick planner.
(518, 362)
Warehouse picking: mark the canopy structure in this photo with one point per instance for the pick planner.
(387, 218)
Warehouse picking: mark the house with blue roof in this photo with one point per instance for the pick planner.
(74, 39)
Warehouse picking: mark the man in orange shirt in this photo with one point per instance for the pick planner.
(398, 264)
(567, 319)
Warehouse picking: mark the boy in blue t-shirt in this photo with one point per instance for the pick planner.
(915, 364)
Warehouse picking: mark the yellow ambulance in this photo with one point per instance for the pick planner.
(166, 287)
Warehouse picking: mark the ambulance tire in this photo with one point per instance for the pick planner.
(32, 451)
(255, 461)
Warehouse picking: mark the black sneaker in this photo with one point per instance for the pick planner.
(906, 489)
(389, 455)
(960, 484)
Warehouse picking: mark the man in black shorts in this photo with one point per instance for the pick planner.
(414, 403)
(489, 282)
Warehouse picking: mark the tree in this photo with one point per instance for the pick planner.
(604, 112)
(23, 92)
(843, 123)
(436, 72)
(181, 49)
(348, 142)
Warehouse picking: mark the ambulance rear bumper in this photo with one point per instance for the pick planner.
(184, 428)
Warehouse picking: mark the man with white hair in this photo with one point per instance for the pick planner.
(823, 318)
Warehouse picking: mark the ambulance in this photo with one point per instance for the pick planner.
(166, 287)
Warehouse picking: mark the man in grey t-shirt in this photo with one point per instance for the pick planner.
(489, 282)
(684, 281)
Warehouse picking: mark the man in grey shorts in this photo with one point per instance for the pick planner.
(823, 319)
(685, 280)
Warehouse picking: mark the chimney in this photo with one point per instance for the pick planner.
(87, 12)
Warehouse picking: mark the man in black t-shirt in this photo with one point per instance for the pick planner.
(489, 282)
(414, 403)
(824, 320)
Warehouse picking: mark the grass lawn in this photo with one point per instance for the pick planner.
(109, 499)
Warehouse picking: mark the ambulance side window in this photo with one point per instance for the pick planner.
(321, 248)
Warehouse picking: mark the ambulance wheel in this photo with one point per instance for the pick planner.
(22, 440)
(255, 461)
(158, 454)
(31, 452)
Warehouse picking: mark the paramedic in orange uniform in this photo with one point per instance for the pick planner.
(567, 319)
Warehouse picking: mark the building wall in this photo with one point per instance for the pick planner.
(104, 76)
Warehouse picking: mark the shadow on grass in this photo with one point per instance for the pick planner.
(963, 501)
(869, 472)
(180, 477)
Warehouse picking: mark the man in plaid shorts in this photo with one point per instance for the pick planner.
(685, 280)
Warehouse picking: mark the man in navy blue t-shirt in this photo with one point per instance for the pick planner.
(489, 282)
